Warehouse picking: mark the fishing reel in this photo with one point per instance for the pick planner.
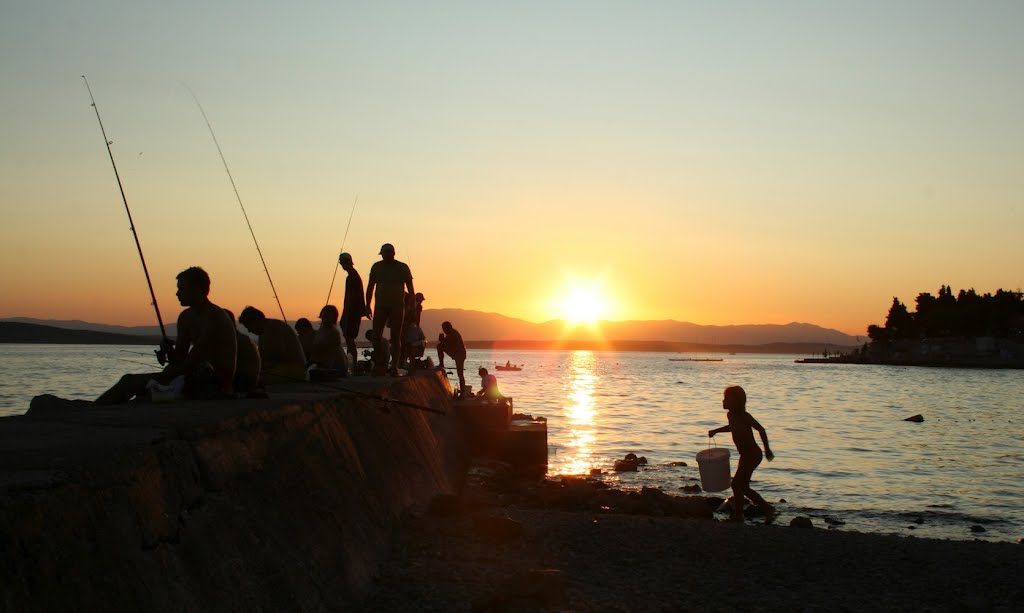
(165, 354)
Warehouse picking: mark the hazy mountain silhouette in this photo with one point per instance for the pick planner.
(475, 325)
(480, 326)
(20, 332)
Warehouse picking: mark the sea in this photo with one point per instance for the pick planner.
(845, 457)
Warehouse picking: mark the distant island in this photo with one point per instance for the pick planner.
(494, 331)
(965, 330)
(16, 332)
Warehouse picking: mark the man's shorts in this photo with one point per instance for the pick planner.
(350, 327)
(392, 315)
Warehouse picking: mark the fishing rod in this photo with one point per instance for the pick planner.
(239, 198)
(164, 353)
(345, 238)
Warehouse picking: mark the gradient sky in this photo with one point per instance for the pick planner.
(713, 162)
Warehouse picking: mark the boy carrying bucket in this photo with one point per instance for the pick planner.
(742, 426)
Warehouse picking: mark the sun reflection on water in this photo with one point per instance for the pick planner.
(581, 413)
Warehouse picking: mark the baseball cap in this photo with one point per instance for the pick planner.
(387, 248)
(419, 296)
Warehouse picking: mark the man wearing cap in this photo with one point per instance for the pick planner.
(389, 278)
(354, 308)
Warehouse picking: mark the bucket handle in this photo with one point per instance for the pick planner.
(711, 441)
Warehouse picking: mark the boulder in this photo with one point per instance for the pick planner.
(801, 522)
(626, 465)
(977, 528)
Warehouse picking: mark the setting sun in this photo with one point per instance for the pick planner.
(583, 305)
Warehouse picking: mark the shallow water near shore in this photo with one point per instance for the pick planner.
(844, 456)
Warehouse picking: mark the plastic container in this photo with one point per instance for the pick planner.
(715, 475)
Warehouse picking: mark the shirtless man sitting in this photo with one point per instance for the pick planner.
(204, 353)
(283, 360)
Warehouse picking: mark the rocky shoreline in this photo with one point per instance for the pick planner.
(571, 544)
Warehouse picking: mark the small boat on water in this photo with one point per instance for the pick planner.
(508, 367)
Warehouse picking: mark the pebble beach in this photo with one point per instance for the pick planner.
(487, 550)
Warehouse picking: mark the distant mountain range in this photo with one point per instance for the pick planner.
(19, 332)
(477, 327)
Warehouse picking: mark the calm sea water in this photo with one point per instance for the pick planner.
(843, 452)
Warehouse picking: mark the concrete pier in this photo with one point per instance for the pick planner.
(286, 503)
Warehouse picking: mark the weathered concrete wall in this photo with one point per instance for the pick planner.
(282, 504)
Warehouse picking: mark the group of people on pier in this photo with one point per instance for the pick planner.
(212, 358)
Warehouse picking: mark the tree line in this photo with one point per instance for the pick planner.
(967, 314)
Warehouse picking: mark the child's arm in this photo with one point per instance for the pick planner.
(764, 437)
(717, 430)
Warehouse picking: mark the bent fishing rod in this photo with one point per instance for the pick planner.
(345, 238)
(163, 354)
(239, 198)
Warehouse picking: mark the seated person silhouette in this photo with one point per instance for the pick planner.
(202, 362)
(283, 360)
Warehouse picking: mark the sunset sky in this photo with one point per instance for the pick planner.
(712, 162)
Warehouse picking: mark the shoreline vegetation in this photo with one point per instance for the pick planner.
(967, 330)
(16, 332)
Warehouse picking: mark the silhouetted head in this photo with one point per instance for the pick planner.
(329, 315)
(193, 286)
(440, 338)
(482, 372)
(345, 259)
(387, 252)
(419, 297)
(734, 399)
(303, 325)
(253, 319)
(447, 327)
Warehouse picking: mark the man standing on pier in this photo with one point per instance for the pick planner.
(451, 343)
(389, 278)
(354, 308)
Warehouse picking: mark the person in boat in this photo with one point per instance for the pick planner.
(451, 343)
(247, 362)
(327, 350)
(283, 360)
(388, 280)
(306, 333)
(354, 308)
(508, 364)
(742, 426)
(488, 385)
(202, 362)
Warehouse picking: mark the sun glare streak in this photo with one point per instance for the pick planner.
(581, 413)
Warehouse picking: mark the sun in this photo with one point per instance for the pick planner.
(582, 305)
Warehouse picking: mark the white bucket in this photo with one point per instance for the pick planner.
(714, 469)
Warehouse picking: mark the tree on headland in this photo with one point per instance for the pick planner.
(968, 314)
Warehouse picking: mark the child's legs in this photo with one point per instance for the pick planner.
(741, 481)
